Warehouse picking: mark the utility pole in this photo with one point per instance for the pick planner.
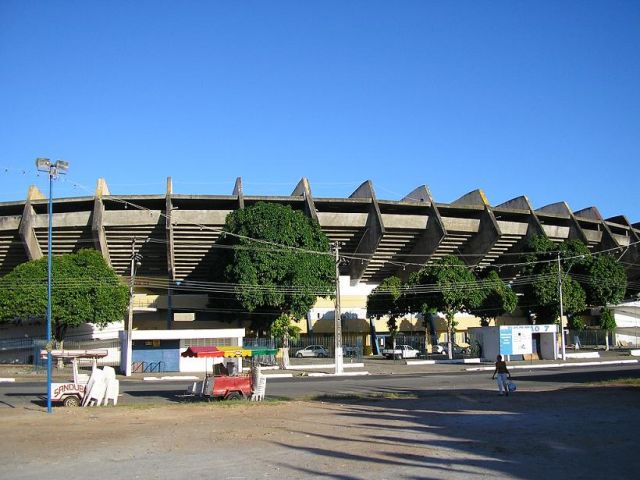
(338, 320)
(135, 260)
(562, 343)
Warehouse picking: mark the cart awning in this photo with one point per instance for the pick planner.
(255, 351)
(203, 352)
(75, 353)
(227, 351)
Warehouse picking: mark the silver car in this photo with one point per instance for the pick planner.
(313, 351)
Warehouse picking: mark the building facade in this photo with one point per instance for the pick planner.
(177, 234)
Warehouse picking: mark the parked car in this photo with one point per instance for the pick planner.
(313, 351)
(401, 351)
(443, 347)
(349, 351)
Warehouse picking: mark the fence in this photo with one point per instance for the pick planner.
(264, 360)
(623, 337)
(352, 344)
(148, 367)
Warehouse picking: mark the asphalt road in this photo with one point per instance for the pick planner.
(25, 393)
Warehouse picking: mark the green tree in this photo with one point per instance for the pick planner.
(542, 294)
(278, 261)
(607, 323)
(498, 299)
(607, 282)
(446, 286)
(84, 290)
(603, 277)
(386, 300)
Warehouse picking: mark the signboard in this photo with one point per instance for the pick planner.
(544, 328)
(506, 347)
(516, 339)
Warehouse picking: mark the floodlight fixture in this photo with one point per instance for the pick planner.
(60, 167)
(43, 164)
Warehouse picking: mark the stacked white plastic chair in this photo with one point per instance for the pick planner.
(112, 386)
(96, 388)
(260, 385)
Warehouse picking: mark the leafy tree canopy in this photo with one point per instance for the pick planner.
(387, 299)
(603, 277)
(446, 286)
(84, 289)
(498, 298)
(607, 320)
(607, 281)
(280, 273)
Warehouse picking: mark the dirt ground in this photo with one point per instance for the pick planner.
(575, 433)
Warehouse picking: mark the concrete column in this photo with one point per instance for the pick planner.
(608, 240)
(631, 255)
(430, 238)
(562, 209)
(534, 228)
(303, 190)
(237, 191)
(97, 221)
(488, 232)
(373, 233)
(27, 223)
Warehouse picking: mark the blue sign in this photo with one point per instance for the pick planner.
(506, 341)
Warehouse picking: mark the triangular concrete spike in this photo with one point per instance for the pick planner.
(620, 220)
(518, 203)
(558, 208)
(301, 188)
(364, 191)
(419, 195)
(34, 193)
(474, 198)
(102, 189)
(591, 213)
(237, 189)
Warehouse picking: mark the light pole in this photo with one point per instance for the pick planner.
(560, 282)
(53, 169)
(135, 262)
(339, 369)
(562, 343)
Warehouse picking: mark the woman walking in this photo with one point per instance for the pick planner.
(502, 371)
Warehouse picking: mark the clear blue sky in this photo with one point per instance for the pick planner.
(537, 98)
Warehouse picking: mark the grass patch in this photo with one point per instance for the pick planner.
(199, 403)
(627, 382)
(342, 397)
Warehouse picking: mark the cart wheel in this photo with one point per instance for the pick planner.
(234, 396)
(71, 401)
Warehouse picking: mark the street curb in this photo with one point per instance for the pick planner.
(176, 377)
(556, 365)
(7, 380)
(324, 366)
(344, 374)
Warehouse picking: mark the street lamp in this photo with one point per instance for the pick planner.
(135, 263)
(53, 169)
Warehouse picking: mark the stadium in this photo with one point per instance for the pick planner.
(176, 236)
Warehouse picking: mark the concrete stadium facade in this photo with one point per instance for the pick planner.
(177, 234)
